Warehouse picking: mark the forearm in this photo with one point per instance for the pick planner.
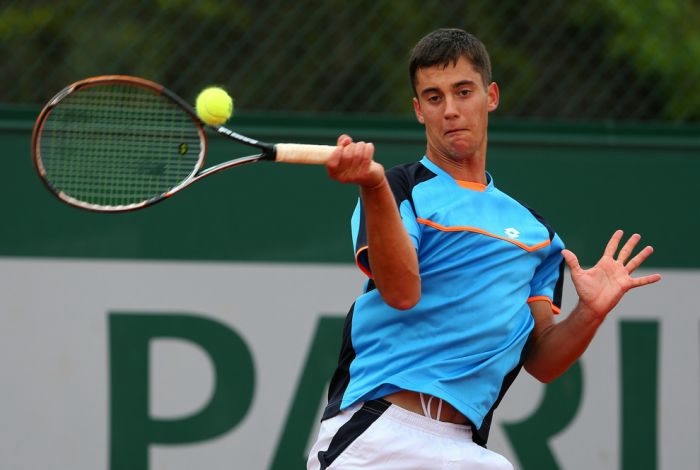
(392, 256)
(556, 346)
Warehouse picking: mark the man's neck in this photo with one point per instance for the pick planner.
(471, 169)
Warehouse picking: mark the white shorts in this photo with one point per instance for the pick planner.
(382, 436)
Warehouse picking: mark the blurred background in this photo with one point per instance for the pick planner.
(575, 60)
(598, 128)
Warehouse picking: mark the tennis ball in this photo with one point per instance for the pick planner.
(214, 106)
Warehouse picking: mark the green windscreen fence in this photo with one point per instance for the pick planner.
(554, 59)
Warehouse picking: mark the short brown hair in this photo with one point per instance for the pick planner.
(445, 46)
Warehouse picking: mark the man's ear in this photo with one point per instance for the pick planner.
(417, 110)
(493, 95)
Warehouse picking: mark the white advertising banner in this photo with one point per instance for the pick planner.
(182, 365)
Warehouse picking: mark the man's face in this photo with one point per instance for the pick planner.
(453, 104)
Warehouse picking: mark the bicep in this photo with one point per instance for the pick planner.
(543, 313)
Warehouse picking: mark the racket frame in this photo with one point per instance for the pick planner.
(267, 151)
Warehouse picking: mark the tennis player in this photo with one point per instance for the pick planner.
(463, 285)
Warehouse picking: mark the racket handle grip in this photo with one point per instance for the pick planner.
(303, 153)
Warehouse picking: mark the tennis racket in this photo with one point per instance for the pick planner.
(117, 143)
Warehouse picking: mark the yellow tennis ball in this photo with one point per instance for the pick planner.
(214, 106)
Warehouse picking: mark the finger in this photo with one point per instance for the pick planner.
(352, 157)
(369, 150)
(344, 140)
(571, 260)
(628, 247)
(353, 162)
(334, 159)
(358, 150)
(362, 154)
(332, 165)
(645, 280)
(613, 243)
(338, 161)
(639, 258)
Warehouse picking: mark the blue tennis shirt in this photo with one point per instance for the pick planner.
(483, 257)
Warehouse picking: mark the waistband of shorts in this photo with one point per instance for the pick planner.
(423, 423)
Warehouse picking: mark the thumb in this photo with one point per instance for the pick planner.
(571, 260)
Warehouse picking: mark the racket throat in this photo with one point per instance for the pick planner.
(267, 151)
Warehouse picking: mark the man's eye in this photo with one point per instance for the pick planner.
(433, 99)
(464, 92)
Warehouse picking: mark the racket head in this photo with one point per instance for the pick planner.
(117, 143)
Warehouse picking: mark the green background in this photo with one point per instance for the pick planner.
(587, 180)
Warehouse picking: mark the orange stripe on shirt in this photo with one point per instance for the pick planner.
(363, 268)
(464, 228)
(536, 298)
(472, 185)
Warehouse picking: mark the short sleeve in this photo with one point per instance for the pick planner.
(548, 280)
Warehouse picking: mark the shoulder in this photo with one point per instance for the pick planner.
(408, 175)
(534, 213)
(540, 218)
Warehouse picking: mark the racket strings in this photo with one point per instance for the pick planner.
(118, 145)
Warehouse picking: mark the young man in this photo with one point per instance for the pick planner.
(464, 283)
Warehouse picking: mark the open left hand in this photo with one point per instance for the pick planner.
(602, 286)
